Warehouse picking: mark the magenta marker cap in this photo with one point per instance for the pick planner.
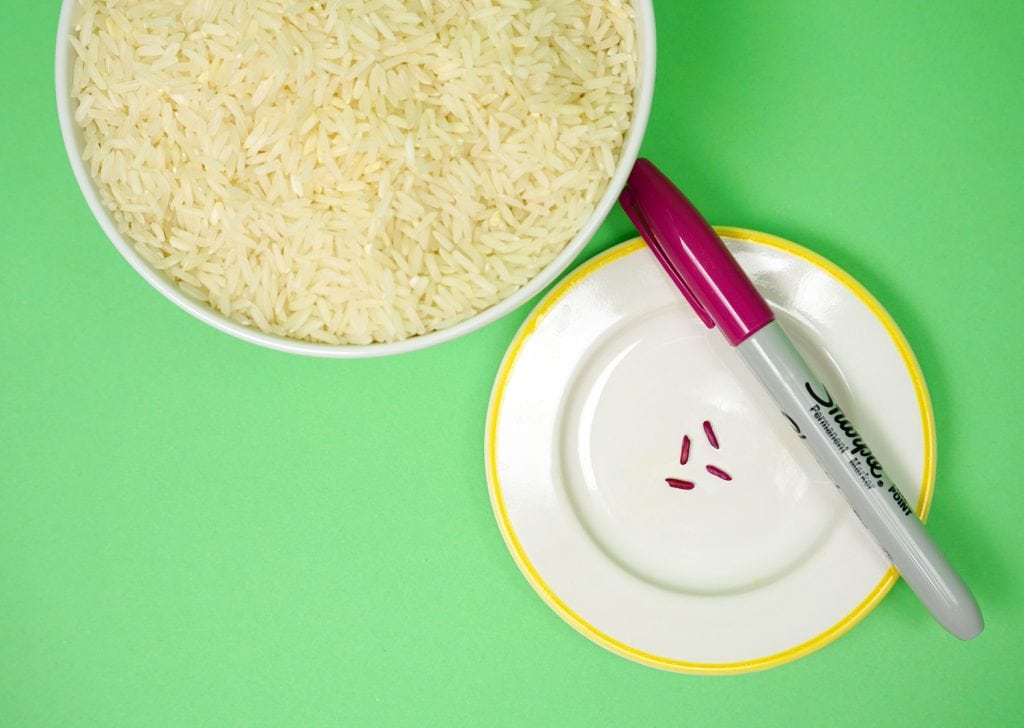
(693, 255)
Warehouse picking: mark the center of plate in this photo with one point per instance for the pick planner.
(680, 466)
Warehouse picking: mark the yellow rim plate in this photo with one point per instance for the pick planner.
(571, 613)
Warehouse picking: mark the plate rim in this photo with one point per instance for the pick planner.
(551, 598)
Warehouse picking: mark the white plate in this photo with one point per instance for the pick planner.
(586, 426)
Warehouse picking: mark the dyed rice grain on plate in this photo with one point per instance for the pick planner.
(352, 172)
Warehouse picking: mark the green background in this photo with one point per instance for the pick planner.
(197, 531)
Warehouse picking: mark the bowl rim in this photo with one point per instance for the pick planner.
(643, 95)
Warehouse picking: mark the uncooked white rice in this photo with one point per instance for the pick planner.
(348, 171)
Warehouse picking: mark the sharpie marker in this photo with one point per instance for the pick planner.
(721, 294)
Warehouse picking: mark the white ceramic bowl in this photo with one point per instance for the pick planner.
(73, 142)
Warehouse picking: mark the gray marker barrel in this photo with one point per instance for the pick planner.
(849, 463)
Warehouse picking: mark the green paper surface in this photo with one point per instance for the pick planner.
(198, 531)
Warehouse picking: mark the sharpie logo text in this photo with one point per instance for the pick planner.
(833, 421)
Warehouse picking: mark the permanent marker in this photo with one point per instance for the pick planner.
(721, 294)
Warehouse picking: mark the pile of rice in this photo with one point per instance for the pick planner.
(352, 171)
